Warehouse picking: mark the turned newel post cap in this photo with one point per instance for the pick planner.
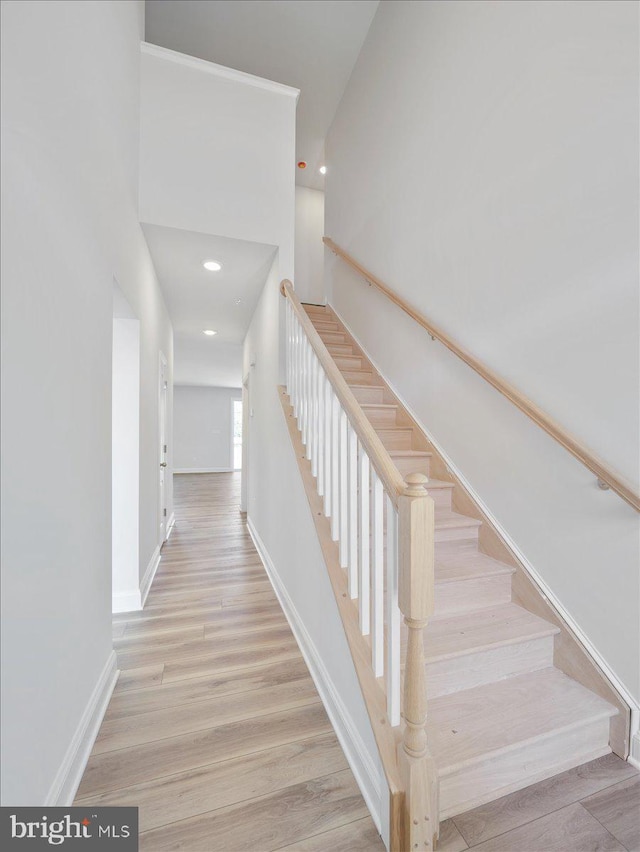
(416, 484)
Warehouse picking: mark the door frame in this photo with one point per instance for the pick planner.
(232, 464)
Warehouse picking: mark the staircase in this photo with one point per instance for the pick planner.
(500, 715)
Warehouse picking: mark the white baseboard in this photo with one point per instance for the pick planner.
(126, 601)
(204, 470)
(365, 771)
(634, 754)
(67, 780)
(543, 588)
(170, 525)
(149, 574)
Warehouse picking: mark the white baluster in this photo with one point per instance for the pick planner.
(321, 421)
(327, 448)
(344, 487)
(313, 410)
(298, 369)
(393, 616)
(352, 554)
(364, 598)
(335, 467)
(377, 570)
(305, 405)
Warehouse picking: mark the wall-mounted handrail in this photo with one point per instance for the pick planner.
(607, 478)
(377, 452)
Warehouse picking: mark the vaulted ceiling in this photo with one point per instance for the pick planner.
(310, 44)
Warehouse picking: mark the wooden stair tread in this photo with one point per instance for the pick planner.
(447, 520)
(439, 483)
(468, 726)
(465, 563)
(385, 405)
(480, 630)
(367, 387)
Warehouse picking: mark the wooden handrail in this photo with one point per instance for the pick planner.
(607, 478)
(378, 454)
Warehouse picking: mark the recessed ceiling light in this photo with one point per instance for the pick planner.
(209, 332)
(323, 170)
(212, 265)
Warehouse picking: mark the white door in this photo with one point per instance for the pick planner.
(163, 448)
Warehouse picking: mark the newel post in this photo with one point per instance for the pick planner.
(415, 598)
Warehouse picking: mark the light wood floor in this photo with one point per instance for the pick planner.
(215, 730)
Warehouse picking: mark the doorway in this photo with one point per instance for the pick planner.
(236, 432)
(163, 390)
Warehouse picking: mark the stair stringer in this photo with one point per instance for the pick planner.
(573, 653)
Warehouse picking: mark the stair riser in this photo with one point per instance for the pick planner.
(332, 337)
(384, 418)
(457, 534)
(368, 394)
(413, 465)
(348, 362)
(467, 595)
(458, 673)
(493, 777)
(396, 440)
(441, 497)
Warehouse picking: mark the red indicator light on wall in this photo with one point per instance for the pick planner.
(302, 164)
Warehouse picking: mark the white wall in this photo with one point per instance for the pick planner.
(213, 363)
(125, 466)
(278, 510)
(309, 257)
(484, 163)
(202, 420)
(70, 94)
(216, 150)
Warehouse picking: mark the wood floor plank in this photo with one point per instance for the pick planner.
(188, 794)
(125, 767)
(232, 661)
(161, 621)
(200, 715)
(130, 703)
(219, 593)
(571, 829)
(140, 677)
(358, 836)
(132, 642)
(215, 729)
(248, 599)
(291, 814)
(450, 839)
(618, 809)
(525, 805)
(278, 637)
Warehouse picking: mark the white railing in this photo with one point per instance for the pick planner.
(363, 513)
(384, 529)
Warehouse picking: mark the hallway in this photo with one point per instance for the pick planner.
(215, 729)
